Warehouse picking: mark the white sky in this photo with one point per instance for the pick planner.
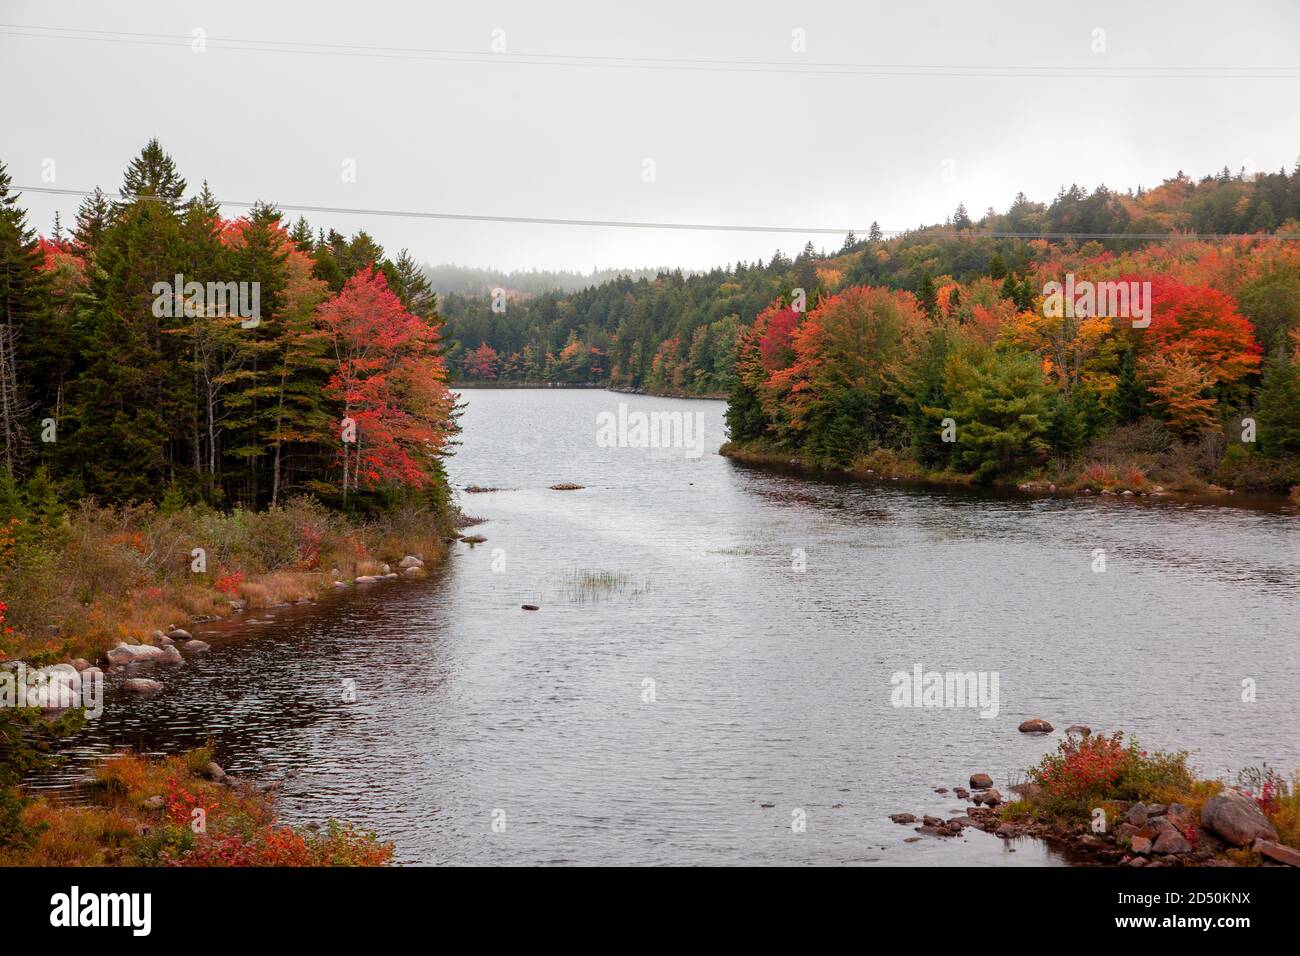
(745, 147)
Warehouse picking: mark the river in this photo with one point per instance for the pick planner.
(708, 678)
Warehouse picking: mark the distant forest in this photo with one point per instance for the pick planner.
(677, 333)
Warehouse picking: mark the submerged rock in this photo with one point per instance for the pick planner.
(142, 686)
(1035, 725)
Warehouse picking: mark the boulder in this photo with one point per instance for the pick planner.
(1028, 792)
(80, 663)
(980, 781)
(1035, 725)
(1180, 816)
(1137, 814)
(1277, 852)
(172, 656)
(410, 561)
(214, 772)
(902, 817)
(179, 634)
(1007, 831)
(1236, 818)
(1141, 845)
(195, 646)
(134, 654)
(365, 579)
(156, 802)
(992, 798)
(161, 640)
(963, 794)
(1083, 730)
(1171, 842)
(415, 571)
(142, 686)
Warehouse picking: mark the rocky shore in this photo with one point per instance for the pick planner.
(1228, 828)
(79, 682)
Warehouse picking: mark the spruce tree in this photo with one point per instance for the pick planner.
(23, 290)
(152, 174)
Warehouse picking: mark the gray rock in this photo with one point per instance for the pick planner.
(142, 686)
(156, 802)
(1236, 818)
(1171, 842)
(1277, 852)
(195, 646)
(214, 772)
(179, 634)
(410, 561)
(1137, 814)
(1035, 725)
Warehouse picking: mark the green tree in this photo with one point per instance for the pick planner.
(1001, 406)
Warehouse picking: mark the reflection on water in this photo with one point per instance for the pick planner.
(681, 675)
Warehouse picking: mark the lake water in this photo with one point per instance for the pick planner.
(683, 672)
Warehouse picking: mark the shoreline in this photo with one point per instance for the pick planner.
(598, 386)
(912, 475)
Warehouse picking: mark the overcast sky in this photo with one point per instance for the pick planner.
(741, 145)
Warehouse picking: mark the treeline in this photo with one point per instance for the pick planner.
(160, 351)
(993, 377)
(672, 333)
(449, 279)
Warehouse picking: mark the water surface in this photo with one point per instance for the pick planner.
(771, 685)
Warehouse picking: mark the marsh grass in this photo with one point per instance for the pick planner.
(589, 587)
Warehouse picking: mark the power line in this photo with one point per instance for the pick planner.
(680, 226)
(960, 71)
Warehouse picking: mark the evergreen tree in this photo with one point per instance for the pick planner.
(92, 219)
(152, 174)
(1278, 405)
(23, 290)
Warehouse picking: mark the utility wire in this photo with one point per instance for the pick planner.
(680, 226)
(242, 44)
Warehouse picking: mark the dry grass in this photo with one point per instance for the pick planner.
(97, 576)
(116, 828)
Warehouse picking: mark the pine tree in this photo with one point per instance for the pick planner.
(960, 220)
(875, 235)
(92, 219)
(152, 174)
(928, 296)
(1278, 405)
(23, 290)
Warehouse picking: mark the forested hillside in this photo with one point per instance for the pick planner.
(676, 333)
(121, 378)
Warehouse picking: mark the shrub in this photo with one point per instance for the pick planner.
(1085, 772)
